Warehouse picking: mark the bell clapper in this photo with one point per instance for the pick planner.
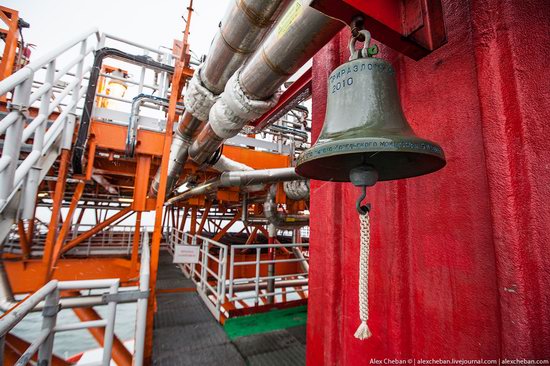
(363, 176)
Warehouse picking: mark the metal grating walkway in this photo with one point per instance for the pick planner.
(187, 334)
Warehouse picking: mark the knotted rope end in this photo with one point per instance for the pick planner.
(363, 331)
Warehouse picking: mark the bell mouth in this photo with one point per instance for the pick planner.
(391, 158)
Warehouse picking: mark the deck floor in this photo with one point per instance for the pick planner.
(186, 333)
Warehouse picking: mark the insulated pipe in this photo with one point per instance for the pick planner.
(260, 176)
(137, 102)
(298, 35)
(244, 26)
(237, 179)
(100, 55)
(224, 164)
(297, 189)
(279, 219)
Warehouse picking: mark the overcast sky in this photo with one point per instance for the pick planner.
(152, 23)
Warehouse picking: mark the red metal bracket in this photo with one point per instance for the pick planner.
(412, 27)
(296, 93)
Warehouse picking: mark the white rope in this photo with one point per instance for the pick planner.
(363, 331)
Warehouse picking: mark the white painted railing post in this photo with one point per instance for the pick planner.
(33, 177)
(110, 328)
(141, 313)
(49, 320)
(12, 140)
(204, 272)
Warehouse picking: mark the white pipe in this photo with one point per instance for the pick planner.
(110, 327)
(11, 319)
(141, 314)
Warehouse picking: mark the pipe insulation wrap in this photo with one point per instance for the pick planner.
(225, 164)
(297, 189)
(244, 26)
(235, 109)
(281, 220)
(178, 157)
(198, 99)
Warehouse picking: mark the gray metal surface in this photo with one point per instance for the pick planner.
(291, 356)
(186, 333)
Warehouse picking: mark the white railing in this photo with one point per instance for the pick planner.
(48, 299)
(212, 277)
(222, 279)
(116, 240)
(55, 85)
(292, 283)
(53, 92)
(178, 237)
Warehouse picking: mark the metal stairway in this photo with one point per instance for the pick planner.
(49, 88)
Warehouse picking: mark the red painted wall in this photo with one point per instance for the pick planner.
(460, 259)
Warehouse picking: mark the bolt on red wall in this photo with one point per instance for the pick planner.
(460, 259)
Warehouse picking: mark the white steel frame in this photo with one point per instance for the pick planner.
(221, 286)
(48, 299)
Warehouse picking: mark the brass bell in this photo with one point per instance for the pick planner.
(365, 126)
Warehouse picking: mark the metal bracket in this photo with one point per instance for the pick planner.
(17, 108)
(125, 296)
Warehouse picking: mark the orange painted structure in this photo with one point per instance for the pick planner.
(63, 247)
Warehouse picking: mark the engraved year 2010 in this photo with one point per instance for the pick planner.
(342, 85)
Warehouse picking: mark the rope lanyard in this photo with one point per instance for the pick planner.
(363, 331)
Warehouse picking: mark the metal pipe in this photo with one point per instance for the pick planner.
(14, 79)
(141, 315)
(238, 179)
(100, 55)
(298, 35)
(137, 102)
(279, 219)
(272, 231)
(297, 251)
(244, 26)
(263, 285)
(10, 320)
(297, 189)
(7, 301)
